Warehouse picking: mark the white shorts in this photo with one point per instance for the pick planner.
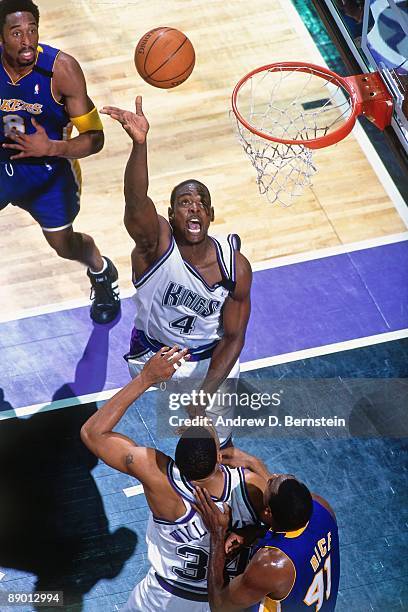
(197, 370)
(149, 596)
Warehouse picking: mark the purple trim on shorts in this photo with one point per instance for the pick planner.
(140, 344)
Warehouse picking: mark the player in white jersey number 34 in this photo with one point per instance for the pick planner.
(178, 543)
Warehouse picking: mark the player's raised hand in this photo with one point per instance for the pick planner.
(234, 457)
(163, 364)
(216, 521)
(30, 145)
(135, 124)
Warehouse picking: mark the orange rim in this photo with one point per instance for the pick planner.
(321, 72)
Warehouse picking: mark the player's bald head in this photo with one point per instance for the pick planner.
(196, 453)
(199, 187)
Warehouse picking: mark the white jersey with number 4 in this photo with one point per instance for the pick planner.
(175, 305)
(179, 551)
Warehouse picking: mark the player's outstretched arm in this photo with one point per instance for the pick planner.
(235, 457)
(69, 84)
(141, 219)
(117, 450)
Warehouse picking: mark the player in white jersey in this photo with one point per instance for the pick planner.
(178, 542)
(192, 290)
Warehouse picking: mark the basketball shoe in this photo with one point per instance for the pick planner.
(104, 294)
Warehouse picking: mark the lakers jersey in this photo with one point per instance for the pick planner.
(31, 96)
(179, 551)
(175, 305)
(314, 552)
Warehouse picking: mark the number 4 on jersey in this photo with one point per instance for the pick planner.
(184, 324)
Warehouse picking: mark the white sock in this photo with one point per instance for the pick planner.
(105, 265)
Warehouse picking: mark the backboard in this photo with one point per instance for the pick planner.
(372, 35)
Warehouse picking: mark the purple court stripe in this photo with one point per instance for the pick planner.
(304, 305)
(323, 301)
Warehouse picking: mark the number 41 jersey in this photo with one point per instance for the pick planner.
(314, 552)
(179, 551)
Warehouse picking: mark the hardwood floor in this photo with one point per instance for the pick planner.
(191, 136)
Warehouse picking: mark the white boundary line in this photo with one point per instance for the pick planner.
(51, 308)
(358, 132)
(340, 249)
(131, 491)
(245, 367)
(58, 404)
(276, 262)
(327, 349)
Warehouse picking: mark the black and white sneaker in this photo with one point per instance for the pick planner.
(104, 294)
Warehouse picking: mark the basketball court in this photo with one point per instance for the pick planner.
(329, 298)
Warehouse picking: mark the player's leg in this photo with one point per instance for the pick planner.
(69, 244)
(52, 199)
(101, 271)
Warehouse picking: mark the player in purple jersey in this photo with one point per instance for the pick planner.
(296, 564)
(42, 95)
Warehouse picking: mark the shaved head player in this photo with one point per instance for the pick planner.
(192, 289)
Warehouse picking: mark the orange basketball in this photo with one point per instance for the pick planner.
(164, 57)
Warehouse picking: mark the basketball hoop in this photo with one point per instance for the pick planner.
(285, 110)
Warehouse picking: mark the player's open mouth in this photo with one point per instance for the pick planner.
(27, 55)
(194, 226)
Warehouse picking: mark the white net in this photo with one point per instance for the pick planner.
(283, 171)
(294, 105)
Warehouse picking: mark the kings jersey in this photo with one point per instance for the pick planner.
(174, 304)
(179, 551)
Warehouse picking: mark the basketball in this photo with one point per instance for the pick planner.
(164, 57)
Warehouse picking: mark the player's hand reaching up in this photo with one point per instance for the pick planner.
(135, 124)
(163, 364)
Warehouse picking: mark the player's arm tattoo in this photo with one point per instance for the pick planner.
(129, 459)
